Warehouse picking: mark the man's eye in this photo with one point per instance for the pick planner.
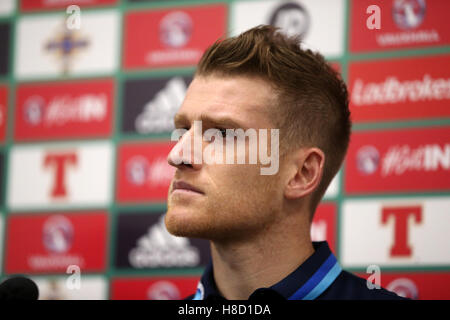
(223, 132)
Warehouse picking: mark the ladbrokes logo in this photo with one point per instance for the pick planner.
(158, 248)
(398, 89)
(394, 91)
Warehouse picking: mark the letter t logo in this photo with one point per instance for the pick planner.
(401, 217)
(59, 163)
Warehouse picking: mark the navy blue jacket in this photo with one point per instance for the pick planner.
(319, 277)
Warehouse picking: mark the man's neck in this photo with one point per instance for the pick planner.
(241, 268)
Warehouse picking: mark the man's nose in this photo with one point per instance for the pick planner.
(184, 153)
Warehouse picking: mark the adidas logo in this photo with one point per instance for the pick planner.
(158, 248)
(157, 115)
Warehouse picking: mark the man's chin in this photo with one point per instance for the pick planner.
(180, 222)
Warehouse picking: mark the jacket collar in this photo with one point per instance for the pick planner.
(307, 282)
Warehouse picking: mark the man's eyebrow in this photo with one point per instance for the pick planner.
(182, 119)
(222, 121)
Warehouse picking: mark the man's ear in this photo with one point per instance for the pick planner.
(307, 173)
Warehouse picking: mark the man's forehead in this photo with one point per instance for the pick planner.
(239, 97)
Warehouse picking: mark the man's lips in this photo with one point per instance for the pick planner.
(184, 186)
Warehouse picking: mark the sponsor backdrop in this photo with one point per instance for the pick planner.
(86, 106)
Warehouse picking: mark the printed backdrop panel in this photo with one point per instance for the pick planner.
(60, 175)
(45, 47)
(396, 232)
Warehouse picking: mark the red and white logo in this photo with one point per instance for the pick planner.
(175, 37)
(3, 111)
(42, 243)
(144, 174)
(404, 287)
(416, 285)
(175, 29)
(403, 24)
(163, 290)
(153, 288)
(416, 88)
(398, 161)
(60, 175)
(395, 232)
(57, 234)
(64, 110)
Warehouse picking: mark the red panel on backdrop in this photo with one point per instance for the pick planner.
(76, 109)
(32, 5)
(416, 285)
(153, 289)
(404, 24)
(323, 227)
(173, 37)
(400, 89)
(3, 111)
(399, 161)
(47, 243)
(143, 172)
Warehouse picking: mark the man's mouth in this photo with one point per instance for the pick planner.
(182, 186)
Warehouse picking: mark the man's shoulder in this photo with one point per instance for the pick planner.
(348, 286)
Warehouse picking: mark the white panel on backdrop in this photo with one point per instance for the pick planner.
(321, 23)
(65, 288)
(333, 188)
(7, 7)
(395, 232)
(60, 175)
(46, 48)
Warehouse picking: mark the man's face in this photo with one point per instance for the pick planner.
(233, 200)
